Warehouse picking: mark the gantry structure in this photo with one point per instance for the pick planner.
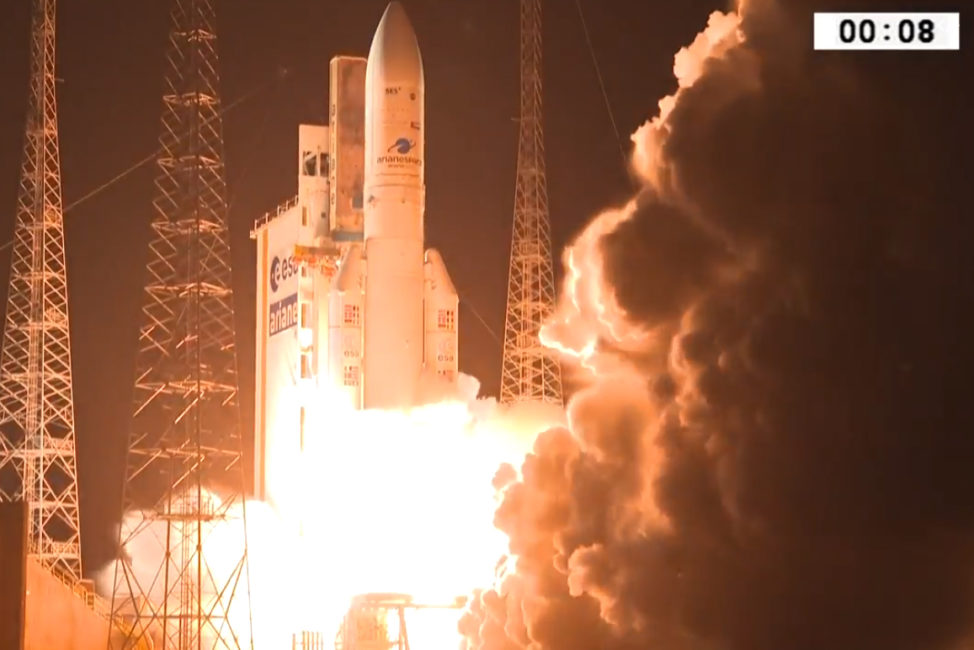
(184, 472)
(530, 372)
(37, 437)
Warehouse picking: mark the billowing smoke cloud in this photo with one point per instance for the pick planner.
(775, 449)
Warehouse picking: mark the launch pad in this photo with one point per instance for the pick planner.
(378, 621)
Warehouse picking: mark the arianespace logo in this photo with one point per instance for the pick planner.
(402, 146)
(281, 270)
(398, 154)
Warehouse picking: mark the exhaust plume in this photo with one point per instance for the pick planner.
(378, 501)
(773, 449)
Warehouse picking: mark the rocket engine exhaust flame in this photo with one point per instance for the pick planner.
(383, 501)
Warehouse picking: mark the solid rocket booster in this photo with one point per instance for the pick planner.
(394, 205)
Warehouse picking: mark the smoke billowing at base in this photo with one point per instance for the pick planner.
(773, 446)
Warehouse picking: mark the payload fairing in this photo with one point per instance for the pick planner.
(349, 303)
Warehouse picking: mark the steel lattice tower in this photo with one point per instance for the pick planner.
(184, 474)
(37, 453)
(530, 371)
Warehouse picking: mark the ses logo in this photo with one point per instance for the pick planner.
(281, 270)
(398, 153)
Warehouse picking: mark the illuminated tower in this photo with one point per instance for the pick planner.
(184, 475)
(37, 454)
(530, 372)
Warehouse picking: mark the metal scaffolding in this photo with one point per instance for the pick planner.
(37, 437)
(184, 473)
(377, 621)
(530, 372)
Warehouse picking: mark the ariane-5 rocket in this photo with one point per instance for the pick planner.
(350, 305)
(403, 302)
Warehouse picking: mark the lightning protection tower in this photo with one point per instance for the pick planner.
(530, 372)
(37, 452)
(184, 475)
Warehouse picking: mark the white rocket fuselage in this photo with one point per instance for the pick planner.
(351, 309)
(392, 308)
(394, 206)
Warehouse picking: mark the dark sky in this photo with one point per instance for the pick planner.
(110, 65)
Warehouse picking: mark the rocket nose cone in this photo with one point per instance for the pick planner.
(394, 13)
(394, 46)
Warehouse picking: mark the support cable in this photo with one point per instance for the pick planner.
(151, 156)
(605, 94)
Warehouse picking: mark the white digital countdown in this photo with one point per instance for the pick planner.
(887, 31)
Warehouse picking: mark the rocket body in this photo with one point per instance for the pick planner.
(393, 308)
(394, 207)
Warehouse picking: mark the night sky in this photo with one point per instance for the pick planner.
(787, 463)
(110, 63)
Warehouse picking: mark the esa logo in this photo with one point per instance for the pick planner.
(281, 270)
(402, 146)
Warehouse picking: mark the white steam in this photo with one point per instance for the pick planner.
(382, 501)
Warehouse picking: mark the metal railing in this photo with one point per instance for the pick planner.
(84, 590)
(270, 215)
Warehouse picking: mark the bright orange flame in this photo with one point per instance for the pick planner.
(380, 501)
(388, 501)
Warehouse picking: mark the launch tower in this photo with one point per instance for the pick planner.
(530, 372)
(184, 473)
(37, 439)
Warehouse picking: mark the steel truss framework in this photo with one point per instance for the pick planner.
(37, 437)
(184, 474)
(530, 371)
